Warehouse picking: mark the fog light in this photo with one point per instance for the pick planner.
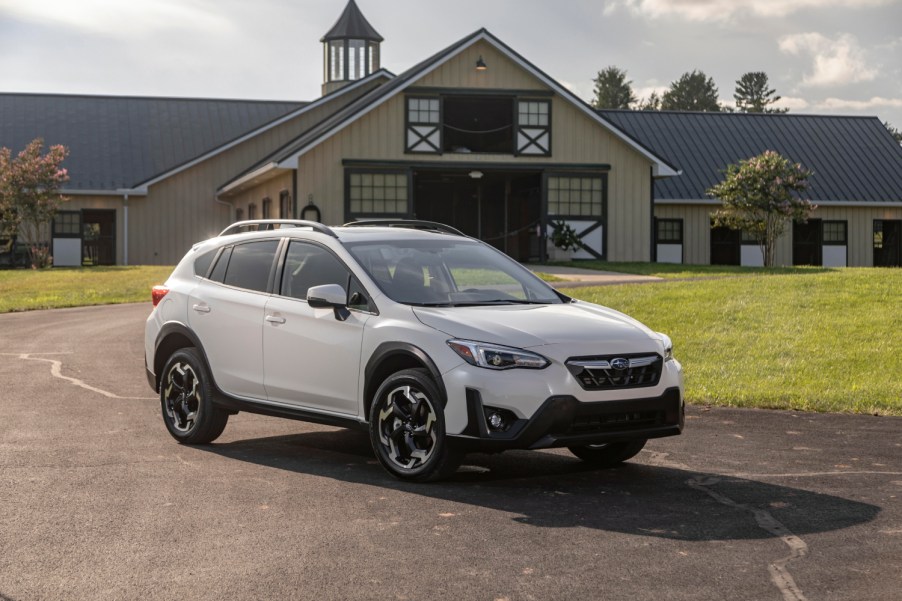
(496, 421)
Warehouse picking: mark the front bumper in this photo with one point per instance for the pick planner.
(563, 421)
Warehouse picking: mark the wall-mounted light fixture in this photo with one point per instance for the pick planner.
(480, 64)
(476, 174)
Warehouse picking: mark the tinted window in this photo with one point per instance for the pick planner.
(250, 265)
(307, 265)
(218, 274)
(202, 263)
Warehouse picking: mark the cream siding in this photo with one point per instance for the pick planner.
(380, 136)
(271, 189)
(697, 231)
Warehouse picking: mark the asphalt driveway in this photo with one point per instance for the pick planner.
(98, 502)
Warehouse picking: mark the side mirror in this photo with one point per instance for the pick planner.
(329, 295)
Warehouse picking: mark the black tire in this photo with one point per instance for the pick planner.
(186, 399)
(610, 454)
(407, 428)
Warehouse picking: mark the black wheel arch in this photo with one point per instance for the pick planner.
(173, 336)
(391, 357)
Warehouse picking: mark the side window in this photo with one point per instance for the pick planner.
(250, 264)
(308, 265)
(202, 263)
(218, 273)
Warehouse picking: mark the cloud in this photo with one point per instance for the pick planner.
(791, 103)
(833, 104)
(727, 10)
(835, 62)
(121, 18)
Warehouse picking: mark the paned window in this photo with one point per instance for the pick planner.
(423, 110)
(670, 231)
(377, 193)
(576, 196)
(267, 208)
(67, 224)
(835, 233)
(239, 214)
(252, 211)
(533, 113)
(534, 127)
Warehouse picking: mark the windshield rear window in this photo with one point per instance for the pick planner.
(449, 273)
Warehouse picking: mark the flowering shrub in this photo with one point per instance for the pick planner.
(565, 237)
(29, 196)
(761, 195)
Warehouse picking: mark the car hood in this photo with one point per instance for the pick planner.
(525, 326)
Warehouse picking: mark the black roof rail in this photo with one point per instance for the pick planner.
(270, 224)
(415, 224)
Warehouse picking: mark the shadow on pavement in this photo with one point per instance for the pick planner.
(557, 491)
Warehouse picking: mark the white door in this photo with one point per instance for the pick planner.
(312, 356)
(226, 312)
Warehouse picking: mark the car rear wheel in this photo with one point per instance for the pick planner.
(407, 428)
(187, 401)
(609, 454)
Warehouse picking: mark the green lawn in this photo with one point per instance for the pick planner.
(674, 271)
(824, 340)
(25, 289)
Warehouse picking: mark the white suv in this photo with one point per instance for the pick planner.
(435, 342)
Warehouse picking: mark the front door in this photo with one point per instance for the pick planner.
(98, 237)
(807, 244)
(887, 243)
(311, 356)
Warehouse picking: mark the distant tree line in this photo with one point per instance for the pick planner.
(692, 91)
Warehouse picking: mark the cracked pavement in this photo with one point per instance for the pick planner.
(98, 502)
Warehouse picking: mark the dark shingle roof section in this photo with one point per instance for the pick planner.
(352, 25)
(853, 158)
(119, 141)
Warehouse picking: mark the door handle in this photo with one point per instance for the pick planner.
(275, 319)
(201, 308)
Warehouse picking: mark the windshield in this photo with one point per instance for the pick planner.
(449, 273)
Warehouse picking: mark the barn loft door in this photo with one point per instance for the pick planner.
(534, 127)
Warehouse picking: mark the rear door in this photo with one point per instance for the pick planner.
(312, 357)
(226, 313)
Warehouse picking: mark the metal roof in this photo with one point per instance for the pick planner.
(116, 142)
(352, 25)
(853, 158)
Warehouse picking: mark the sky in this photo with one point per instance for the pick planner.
(822, 56)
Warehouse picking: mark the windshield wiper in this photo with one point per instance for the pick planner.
(499, 301)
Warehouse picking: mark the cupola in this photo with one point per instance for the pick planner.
(350, 49)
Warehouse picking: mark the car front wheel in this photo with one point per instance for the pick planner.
(609, 454)
(187, 401)
(407, 428)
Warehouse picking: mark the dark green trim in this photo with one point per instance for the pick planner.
(478, 91)
(569, 168)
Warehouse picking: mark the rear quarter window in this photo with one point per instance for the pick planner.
(203, 262)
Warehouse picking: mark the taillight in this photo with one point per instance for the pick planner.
(157, 293)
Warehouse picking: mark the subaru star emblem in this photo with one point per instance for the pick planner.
(620, 363)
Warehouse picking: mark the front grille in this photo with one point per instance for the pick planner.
(616, 371)
(616, 422)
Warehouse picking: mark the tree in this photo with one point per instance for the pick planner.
(612, 90)
(29, 196)
(652, 103)
(693, 91)
(760, 196)
(754, 95)
(897, 134)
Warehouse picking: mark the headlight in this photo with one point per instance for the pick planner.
(668, 346)
(493, 356)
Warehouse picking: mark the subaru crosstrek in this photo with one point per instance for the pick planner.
(435, 342)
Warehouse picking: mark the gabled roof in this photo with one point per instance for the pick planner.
(854, 159)
(116, 142)
(286, 158)
(352, 25)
